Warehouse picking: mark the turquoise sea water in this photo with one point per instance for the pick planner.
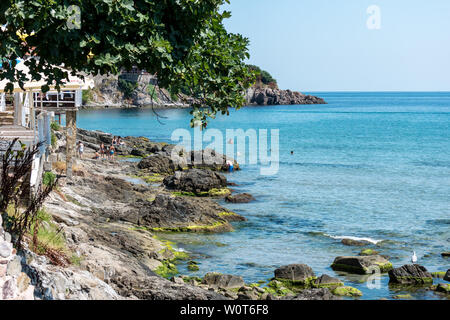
(367, 165)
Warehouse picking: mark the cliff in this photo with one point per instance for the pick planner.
(264, 96)
(108, 92)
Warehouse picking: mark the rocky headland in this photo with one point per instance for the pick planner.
(107, 93)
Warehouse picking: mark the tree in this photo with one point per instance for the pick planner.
(184, 42)
(262, 75)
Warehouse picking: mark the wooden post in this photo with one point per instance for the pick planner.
(71, 140)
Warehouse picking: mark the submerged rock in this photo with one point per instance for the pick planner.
(347, 291)
(410, 274)
(240, 198)
(356, 243)
(361, 264)
(300, 273)
(368, 252)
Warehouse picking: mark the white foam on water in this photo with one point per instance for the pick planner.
(374, 241)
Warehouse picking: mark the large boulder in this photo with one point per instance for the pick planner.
(361, 264)
(225, 281)
(184, 214)
(160, 164)
(298, 273)
(447, 275)
(410, 274)
(209, 159)
(196, 181)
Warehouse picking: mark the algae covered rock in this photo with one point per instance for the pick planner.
(300, 273)
(361, 264)
(325, 281)
(443, 287)
(226, 281)
(347, 291)
(368, 252)
(410, 274)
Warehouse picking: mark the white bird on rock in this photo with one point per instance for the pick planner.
(414, 257)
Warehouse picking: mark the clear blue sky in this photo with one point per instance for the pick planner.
(325, 45)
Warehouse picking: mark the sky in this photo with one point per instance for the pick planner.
(326, 45)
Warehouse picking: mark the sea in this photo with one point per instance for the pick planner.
(371, 166)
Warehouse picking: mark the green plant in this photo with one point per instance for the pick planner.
(127, 87)
(55, 126)
(87, 95)
(49, 178)
(184, 42)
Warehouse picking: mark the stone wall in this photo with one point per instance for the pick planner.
(14, 283)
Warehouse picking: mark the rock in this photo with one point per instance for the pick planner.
(351, 242)
(361, 264)
(347, 291)
(5, 249)
(325, 281)
(410, 274)
(445, 254)
(274, 96)
(226, 281)
(403, 297)
(184, 214)
(156, 288)
(14, 267)
(447, 275)
(240, 198)
(23, 281)
(9, 289)
(368, 252)
(316, 294)
(209, 159)
(177, 280)
(438, 275)
(160, 164)
(196, 181)
(443, 287)
(300, 273)
(7, 236)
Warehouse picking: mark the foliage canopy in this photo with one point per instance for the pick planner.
(184, 42)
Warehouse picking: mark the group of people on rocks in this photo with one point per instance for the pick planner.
(105, 152)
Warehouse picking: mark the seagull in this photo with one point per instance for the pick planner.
(414, 257)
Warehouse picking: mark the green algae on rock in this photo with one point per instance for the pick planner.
(362, 264)
(347, 291)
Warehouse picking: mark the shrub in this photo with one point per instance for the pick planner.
(49, 178)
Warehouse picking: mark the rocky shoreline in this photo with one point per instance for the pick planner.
(114, 216)
(107, 95)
